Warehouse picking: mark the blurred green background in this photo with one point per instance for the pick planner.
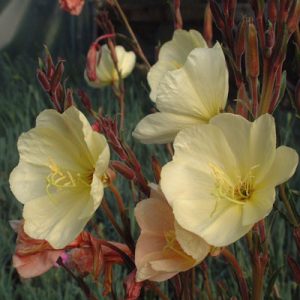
(25, 25)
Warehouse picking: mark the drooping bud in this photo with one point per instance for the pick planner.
(252, 54)
(123, 169)
(43, 80)
(217, 15)
(92, 59)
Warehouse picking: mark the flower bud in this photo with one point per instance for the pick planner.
(69, 101)
(272, 10)
(57, 76)
(93, 56)
(43, 80)
(252, 54)
(240, 40)
(231, 11)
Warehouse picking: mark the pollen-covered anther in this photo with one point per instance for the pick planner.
(61, 178)
(237, 191)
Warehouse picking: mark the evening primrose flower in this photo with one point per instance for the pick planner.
(106, 73)
(190, 95)
(60, 176)
(164, 248)
(172, 55)
(223, 175)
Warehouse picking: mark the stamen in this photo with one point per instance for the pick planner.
(236, 191)
(60, 178)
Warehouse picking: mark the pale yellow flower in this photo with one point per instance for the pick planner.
(223, 175)
(190, 95)
(60, 176)
(173, 55)
(106, 71)
(164, 248)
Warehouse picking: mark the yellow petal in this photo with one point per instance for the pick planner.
(199, 88)
(173, 55)
(161, 128)
(57, 218)
(259, 206)
(283, 167)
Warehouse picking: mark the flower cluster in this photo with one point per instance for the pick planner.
(219, 183)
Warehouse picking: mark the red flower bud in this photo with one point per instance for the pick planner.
(272, 10)
(240, 40)
(43, 80)
(85, 100)
(217, 15)
(92, 61)
(74, 7)
(156, 168)
(57, 76)
(252, 54)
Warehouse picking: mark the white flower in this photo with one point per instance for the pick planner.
(173, 55)
(190, 95)
(105, 70)
(60, 176)
(223, 175)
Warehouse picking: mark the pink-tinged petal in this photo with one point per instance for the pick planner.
(36, 264)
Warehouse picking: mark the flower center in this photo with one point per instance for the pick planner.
(172, 246)
(237, 192)
(59, 178)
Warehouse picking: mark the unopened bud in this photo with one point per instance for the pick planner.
(123, 169)
(57, 76)
(231, 12)
(50, 65)
(208, 26)
(156, 168)
(252, 54)
(270, 41)
(92, 59)
(85, 100)
(217, 15)
(69, 98)
(59, 93)
(294, 16)
(240, 41)
(272, 10)
(43, 80)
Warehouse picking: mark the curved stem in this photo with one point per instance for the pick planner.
(238, 272)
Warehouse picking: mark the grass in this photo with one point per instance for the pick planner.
(22, 99)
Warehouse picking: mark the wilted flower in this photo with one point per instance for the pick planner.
(60, 176)
(32, 257)
(106, 72)
(223, 175)
(164, 248)
(74, 7)
(190, 95)
(173, 55)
